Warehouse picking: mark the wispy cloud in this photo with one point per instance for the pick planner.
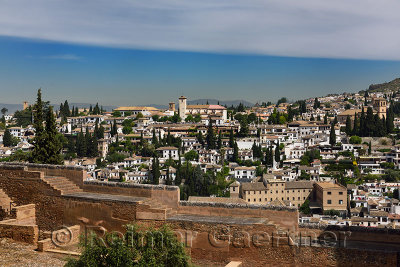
(64, 57)
(366, 29)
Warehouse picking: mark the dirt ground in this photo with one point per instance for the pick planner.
(21, 255)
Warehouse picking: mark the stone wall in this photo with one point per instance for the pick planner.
(285, 217)
(72, 173)
(167, 195)
(26, 187)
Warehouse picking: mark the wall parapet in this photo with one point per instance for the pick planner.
(75, 174)
(236, 205)
(132, 185)
(37, 165)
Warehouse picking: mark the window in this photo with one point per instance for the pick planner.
(340, 193)
(329, 201)
(260, 199)
(254, 200)
(233, 189)
(329, 193)
(340, 201)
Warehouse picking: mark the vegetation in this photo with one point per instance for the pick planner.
(160, 248)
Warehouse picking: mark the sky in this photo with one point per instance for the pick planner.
(129, 52)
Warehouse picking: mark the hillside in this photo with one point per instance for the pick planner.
(387, 86)
(221, 102)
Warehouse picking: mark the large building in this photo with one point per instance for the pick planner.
(202, 110)
(136, 110)
(270, 190)
(330, 196)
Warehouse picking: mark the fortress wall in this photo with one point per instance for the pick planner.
(26, 187)
(166, 195)
(284, 217)
(74, 174)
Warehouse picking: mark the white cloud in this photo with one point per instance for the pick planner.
(366, 29)
(64, 57)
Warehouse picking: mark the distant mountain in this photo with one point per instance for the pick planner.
(387, 86)
(221, 102)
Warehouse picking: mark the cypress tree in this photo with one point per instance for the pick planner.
(67, 111)
(39, 153)
(362, 123)
(231, 139)
(210, 138)
(219, 142)
(356, 125)
(332, 135)
(7, 138)
(348, 129)
(53, 144)
(277, 153)
(326, 118)
(235, 152)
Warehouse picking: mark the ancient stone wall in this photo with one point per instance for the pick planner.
(74, 174)
(167, 195)
(282, 216)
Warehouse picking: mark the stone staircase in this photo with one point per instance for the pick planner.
(62, 184)
(5, 201)
(155, 206)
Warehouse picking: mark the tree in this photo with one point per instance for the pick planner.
(231, 138)
(348, 129)
(210, 138)
(7, 138)
(332, 135)
(200, 138)
(219, 142)
(53, 145)
(396, 194)
(39, 153)
(156, 171)
(277, 153)
(326, 118)
(305, 207)
(160, 248)
(191, 155)
(4, 111)
(235, 152)
(355, 139)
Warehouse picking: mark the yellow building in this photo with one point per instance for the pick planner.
(330, 196)
(269, 190)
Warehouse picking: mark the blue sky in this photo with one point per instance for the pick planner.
(150, 52)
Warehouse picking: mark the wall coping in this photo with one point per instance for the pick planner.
(46, 166)
(350, 228)
(132, 185)
(235, 205)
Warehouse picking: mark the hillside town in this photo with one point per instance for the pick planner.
(336, 158)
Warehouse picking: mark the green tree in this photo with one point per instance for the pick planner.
(277, 153)
(348, 129)
(332, 135)
(53, 145)
(210, 138)
(39, 153)
(160, 248)
(305, 207)
(191, 155)
(355, 139)
(7, 138)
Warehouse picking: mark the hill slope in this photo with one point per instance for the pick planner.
(387, 86)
